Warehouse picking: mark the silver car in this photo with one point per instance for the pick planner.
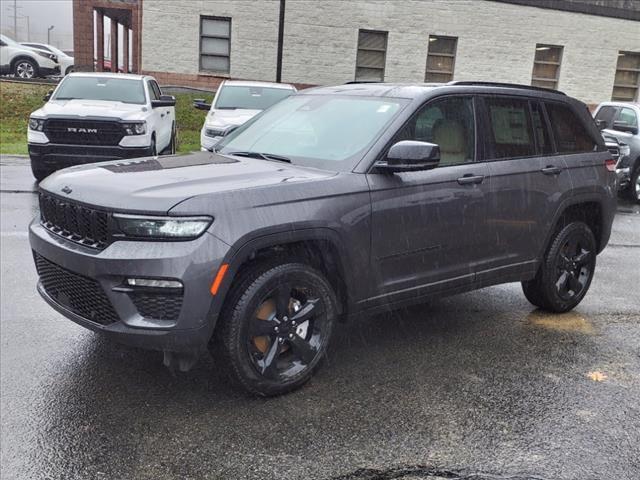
(236, 102)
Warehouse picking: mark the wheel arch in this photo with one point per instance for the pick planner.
(23, 56)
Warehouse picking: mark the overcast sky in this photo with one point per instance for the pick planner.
(41, 15)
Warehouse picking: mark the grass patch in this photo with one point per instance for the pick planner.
(18, 100)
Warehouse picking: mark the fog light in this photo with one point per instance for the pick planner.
(153, 283)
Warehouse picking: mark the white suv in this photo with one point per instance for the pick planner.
(235, 103)
(65, 62)
(25, 62)
(93, 117)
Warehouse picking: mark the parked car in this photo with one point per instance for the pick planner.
(236, 102)
(620, 120)
(93, 117)
(26, 62)
(65, 62)
(336, 202)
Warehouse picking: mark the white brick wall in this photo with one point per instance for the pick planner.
(496, 41)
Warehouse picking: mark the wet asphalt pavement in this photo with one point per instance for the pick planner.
(480, 386)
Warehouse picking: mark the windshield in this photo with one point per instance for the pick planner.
(316, 130)
(250, 98)
(124, 90)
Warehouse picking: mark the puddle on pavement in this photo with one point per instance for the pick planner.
(561, 322)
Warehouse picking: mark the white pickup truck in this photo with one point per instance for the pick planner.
(93, 117)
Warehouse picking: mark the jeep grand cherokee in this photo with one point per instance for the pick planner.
(339, 201)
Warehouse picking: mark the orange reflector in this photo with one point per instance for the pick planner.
(219, 277)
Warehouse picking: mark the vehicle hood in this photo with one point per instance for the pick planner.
(224, 118)
(156, 184)
(91, 108)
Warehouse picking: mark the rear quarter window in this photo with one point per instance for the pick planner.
(511, 134)
(570, 134)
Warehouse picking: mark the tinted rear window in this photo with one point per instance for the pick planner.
(570, 134)
(511, 135)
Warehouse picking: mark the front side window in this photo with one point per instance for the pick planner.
(569, 132)
(605, 116)
(546, 66)
(510, 134)
(449, 123)
(250, 98)
(627, 116)
(322, 131)
(370, 60)
(215, 44)
(153, 90)
(441, 57)
(101, 88)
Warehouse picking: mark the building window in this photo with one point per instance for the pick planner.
(546, 66)
(372, 52)
(441, 58)
(627, 80)
(215, 44)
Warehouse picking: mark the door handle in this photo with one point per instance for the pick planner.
(470, 178)
(551, 170)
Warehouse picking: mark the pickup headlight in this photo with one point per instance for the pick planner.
(167, 228)
(135, 128)
(36, 124)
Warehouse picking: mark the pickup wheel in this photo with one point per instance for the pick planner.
(565, 275)
(275, 327)
(634, 187)
(171, 148)
(25, 68)
(154, 150)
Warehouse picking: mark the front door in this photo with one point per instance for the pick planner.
(427, 227)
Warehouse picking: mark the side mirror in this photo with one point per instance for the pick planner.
(165, 101)
(621, 126)
(410, 156)
(47, 97)
(601, 124)
(201, 104)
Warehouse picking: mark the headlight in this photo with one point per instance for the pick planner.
(625, 150)
(135, 128)
(178, 228)
(36, 124)
(50, 56)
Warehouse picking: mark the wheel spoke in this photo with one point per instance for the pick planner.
(561, 284)
(261, 328)
(307, 311)
(583, 257)
(283, 298)
(574, 284)
(302, 349)
(268, 364)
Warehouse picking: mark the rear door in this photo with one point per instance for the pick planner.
(526, 180)
(427, 226)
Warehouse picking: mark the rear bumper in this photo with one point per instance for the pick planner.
(53, 157)
(194, 263)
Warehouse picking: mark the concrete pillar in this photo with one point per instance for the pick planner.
(100, 41)
(114, 46)
(125, 49)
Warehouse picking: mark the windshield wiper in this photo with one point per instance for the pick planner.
(264, 156)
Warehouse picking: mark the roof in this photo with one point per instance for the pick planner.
(131, 76)
(247, 83)
(418, 90)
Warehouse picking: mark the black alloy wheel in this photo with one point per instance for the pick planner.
(275, 327)
(567, 269)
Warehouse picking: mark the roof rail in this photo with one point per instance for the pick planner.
(506, 85)
(354, 82)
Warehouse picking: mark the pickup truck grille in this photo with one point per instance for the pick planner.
(74, 222)
(83, 132)
(83, 296)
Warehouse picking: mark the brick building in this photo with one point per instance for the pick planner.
(588, 48)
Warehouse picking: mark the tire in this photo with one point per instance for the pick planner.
(154, 150)
(634, 186)
(40, 173)
(294, 309)
(25, 68)
(171, 148)
(566, 272)
(68, 70)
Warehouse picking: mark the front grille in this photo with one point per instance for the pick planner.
(158, 306)
(75, 222)
(83, 132)
(83, 296)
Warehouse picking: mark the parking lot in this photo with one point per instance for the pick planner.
(479, 385)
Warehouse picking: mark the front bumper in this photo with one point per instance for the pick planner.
(623, 177)
(53, 157)
(194, 263)
(49, 71)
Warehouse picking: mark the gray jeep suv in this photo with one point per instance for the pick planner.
(337, 202)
